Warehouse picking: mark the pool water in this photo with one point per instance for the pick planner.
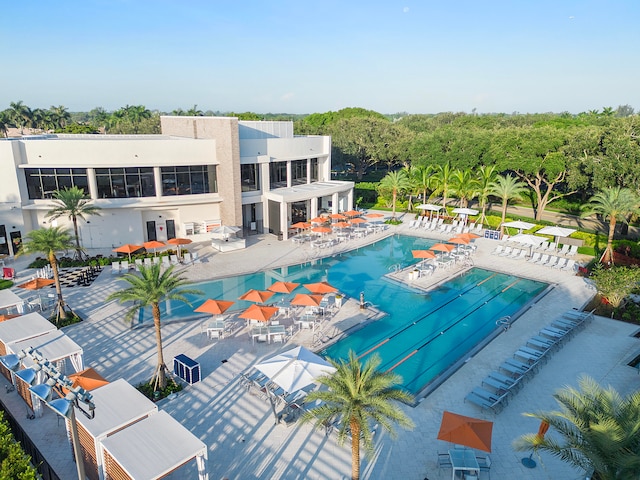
(424, 333)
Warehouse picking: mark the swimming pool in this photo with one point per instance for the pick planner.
(424, 333)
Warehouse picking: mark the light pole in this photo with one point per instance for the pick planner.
(44, 391)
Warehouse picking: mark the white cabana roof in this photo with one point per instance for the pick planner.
(117, 404)
(155, 446)
(9, 299)
(53, 346)
(24, 327)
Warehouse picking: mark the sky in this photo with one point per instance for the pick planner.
(296, 56)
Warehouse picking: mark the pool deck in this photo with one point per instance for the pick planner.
(238, 427)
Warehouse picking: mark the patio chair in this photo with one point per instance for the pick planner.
(484, 462)
(561, 263)
(148, 262)
(124, 266)
(570, 266)
(115, 267)
(497, 250)
(444, 461)
(534, 258)
(564, 249)
(572, 251)
(173, 259)
(478, 227)
(138, 264)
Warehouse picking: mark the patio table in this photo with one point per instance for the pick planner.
(215, 326)
(464, 460)
(257, 332)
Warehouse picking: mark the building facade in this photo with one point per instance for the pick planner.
(200, 173)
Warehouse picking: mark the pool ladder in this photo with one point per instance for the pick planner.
(395, 268)
(504, 322)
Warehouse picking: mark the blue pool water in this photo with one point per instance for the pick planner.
(423, 334)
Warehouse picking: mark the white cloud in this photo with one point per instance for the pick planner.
(287, 96)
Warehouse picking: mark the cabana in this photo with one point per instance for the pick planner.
(152, 449)
(22, 328)
(118, 405)
(56, 347)
(9, 300)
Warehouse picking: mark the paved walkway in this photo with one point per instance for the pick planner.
(238, 427)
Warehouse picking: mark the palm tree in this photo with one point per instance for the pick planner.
(615, 204)
(74, 204)
(148, 289)
(486, 176)
(395, 182)
(48, 241)
(60, 115)
(422, 177)
(464, 186)
(21, 115)
(358, 395)
(599, 431)
(194, 112)
(507, 188)
(5, 122)
(442, 182)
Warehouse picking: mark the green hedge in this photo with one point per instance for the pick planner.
(14, 462)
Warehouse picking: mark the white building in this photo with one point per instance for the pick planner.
(201, 172)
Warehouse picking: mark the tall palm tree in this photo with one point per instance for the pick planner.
(74, 204)
(422, 177)
(358, 396)
(60, 115)
(21, 115)
(486, 176)
(149, 289)
(507, 188)
(48, 241)
(615, 204)
(442, 182)
(194, 112)
(464, 186)
(598, 430)
(395, 182)
(5, 122)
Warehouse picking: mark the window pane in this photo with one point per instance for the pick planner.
(64, 181)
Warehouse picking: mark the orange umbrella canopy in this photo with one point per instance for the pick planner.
(153, 244)
(423, 254)
(442, 247)
(179, 241)
(459, 241)
(259, 312)
(358, 220)
(320, 287)
(340, 225)
(337, 216)
(283, 287)
(322, 230)
(468, 236)
(37, 283)
(301, 225)
(319, 220)
(352, 213)
(214, 307)
(8, 316)
(88, 379)
(307, 300)
(374, 215)
(468, 431)
(127, 248)
(259, 296)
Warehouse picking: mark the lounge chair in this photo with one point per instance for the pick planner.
(148, 262)
(138, 264)
(512, 383)
(572, 251)
(570, 266)
(561, 263)
(115, 267)
(173, 259)
(516, 253)
(534, 258)
(506, 252)
(552, 247)
(499, 387)
(124, 266)
(155, 260)
(553, 260)
(486, 404)
(187, 258)
(543, 259)
(195, 258)
(564, 249)
(497, 250)
(165, 261)
(543, 246)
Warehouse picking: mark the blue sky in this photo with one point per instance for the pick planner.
(294, 56)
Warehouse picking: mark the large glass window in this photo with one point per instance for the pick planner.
(250, 175)
(42, 182)
(277, 175)
(314, 170)
(298, 172)
(189, 180)
(125, 182)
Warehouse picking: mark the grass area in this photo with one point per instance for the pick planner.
(4, 284)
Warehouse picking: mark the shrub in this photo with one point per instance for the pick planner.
(146, 389)
(14, 462)
(615, 283)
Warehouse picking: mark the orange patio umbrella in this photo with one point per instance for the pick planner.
(374, 215)
(8, 316)
(459, 241)
(340, 225)
(128, 248)
(467, 236)
(306, 300)
(301, 225)
(153, 245)
(468, 431)
(357, 221)
(442, 247)
(352, 213)
(322, 230)
(214, 307)
(320, 287)
(283, 287)
(337, 216)
(259, 312)
(319, 220)
(423, 254)
(258, 296)
(529, 462)
(179, 242)
(88, 379)
(37, 283)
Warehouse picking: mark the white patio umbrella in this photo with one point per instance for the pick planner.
(225, 230)
(556, 231)
(526, 239)
(431, 207)
(465, 212)
(293, 370)
(520, 225)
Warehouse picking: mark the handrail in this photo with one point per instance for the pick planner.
(504, 322)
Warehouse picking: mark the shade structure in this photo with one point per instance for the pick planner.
(459, 241)
(9, 299)
(357, 221)
(214, 307)
(320, 287)
(88, 379)
(37, 283)
(467, 236)
(374, 215)
(465, 211)
(319, 220)
(468, 431)
(258, 296)
(23, 327)
(352, 213)
(128, 248)
(520, 225)
(556, 231)
(295, 368)
(340, 225)
(154, 245)
(430, 207)
(261, 313)
(526, 239)
(179, 241)
(225, 230)
(307, 300)
(321, 230)
(337, 216)
(442, 247)
(283, 287)
(423, 254)
(301, 225)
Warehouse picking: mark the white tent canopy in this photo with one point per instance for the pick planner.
(465, 211)
(429, 206)
(154, 447)
(27, 326)
(527, 239)
(55, 346)
(520, 225)
(556, 231)
(9, 299)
